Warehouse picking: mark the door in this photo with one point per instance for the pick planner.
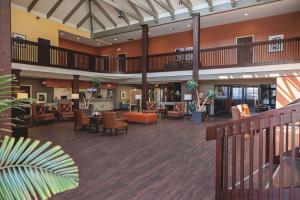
(251, 97)
(106, 64)
(122, 62)
(244, 52)
(44, 51)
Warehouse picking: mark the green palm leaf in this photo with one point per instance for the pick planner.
(29, 170)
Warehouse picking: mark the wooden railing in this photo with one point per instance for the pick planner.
(257, 157)
(258, 53)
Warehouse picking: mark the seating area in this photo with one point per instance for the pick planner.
(150, 100)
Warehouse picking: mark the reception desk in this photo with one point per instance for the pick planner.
(99, 104)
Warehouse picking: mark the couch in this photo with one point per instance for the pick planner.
(142, 118)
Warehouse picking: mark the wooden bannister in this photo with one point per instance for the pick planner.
(257, 53)
(250, 152)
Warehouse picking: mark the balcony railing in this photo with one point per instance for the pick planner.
(257, 53)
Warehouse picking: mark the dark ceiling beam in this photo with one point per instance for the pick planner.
(137, 11)
(91, 20)
(52, 10)
(150, 12)
(83, 20)
(105, 13)
(31, 5)
(188, 4)
(124, 17)
(96, 19)
(155, 13)
(166, 7)
(124, 10)
(210, 6)
(171, 8)
(70, 14)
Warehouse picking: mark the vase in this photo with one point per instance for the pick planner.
(198, 116)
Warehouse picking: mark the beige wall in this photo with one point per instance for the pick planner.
(288, 90)
(120, 88)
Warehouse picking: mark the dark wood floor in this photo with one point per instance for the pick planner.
(166, 161)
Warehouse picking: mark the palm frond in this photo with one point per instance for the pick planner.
(29, 170)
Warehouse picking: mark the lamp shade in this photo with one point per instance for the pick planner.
(75, 96)
(187, 97)
(138, 97)
(22, 95)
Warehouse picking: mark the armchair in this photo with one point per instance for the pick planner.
(65, 111)
(151, 107)
(110, 121)
(81, 119)
(177, 112)
(39, 113)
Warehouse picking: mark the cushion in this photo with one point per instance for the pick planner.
(178, 107)
(151, 106)
(40, 109)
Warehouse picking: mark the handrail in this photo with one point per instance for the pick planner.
(211, 131)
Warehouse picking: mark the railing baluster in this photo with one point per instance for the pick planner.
(242, 152)
(219, 164)
(271, 156)
(234, 133)
(281, 170)
(260, 157)
(251, 160)
(293, 161)
(227, 132)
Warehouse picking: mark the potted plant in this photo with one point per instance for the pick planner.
(196, 107)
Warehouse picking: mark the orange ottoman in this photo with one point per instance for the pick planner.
(143, 118)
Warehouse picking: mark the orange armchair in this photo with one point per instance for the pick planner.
(39, 113)
(110, 121)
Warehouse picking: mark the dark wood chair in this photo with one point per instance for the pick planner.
(81, 119)
(110, 122)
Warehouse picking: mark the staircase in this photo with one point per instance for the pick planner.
(258, 157)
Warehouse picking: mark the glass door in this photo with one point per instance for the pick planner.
(251, 97)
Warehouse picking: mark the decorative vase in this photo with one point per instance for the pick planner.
(198, 116)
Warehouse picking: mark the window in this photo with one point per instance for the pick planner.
(106, 63)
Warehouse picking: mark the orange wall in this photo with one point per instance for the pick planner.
(286, 24)
(78, 46)
(288, 90)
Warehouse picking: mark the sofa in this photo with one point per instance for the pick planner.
(142, 118)
(40, 114)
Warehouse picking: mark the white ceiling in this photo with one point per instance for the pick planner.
(166, 25)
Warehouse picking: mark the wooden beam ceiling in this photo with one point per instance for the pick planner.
(166, 7)
(153, 10)
(188, 4)
(96, 19)
(145, 9)
(83, 20)
(100, 7)
(210, 6)
(137, 11)
(70, 14)
(52, 10)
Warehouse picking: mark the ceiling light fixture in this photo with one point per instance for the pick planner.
(246, 14)
(61, 33)
(180, 2)
(188, 25)
(115, 39)
(78, 38)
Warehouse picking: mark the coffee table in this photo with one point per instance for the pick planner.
(162, 112)
(96, 120)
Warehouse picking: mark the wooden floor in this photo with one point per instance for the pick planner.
(166, 161)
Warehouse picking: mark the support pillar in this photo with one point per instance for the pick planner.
(5, 30)
(75, 90)
(145, 64)
(196, 46)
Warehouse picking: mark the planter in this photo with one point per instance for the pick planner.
(198, 117)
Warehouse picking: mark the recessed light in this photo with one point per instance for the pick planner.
(61, 33)
(188, 25)
(172, 29)
(149, 33)
(115, 39)
(246, 14)
(78, 38)
(98, 43)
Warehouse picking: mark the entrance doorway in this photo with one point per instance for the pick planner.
(244, 52)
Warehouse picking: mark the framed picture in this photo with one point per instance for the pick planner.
(276, 46)
(123, 95)
(19, 40)
(41, 97)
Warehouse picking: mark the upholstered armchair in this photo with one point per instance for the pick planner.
(65, 111)
(240, 111)
(177, 112)
(81, 119)
(39, 113)
(110, 122)
(151, 107)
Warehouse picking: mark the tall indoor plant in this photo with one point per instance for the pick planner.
(196, 107)
(29, 169)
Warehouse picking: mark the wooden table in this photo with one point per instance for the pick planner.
(162, 112)
(96, 120)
